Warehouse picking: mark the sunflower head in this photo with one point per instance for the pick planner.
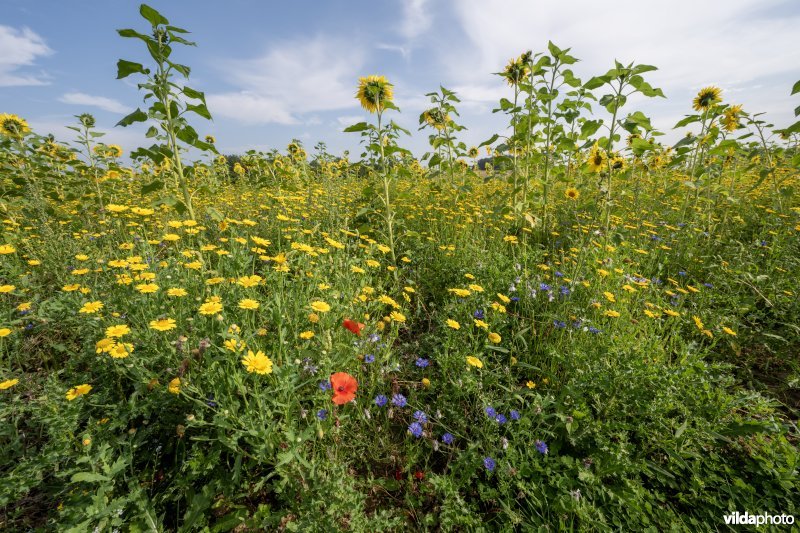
(87, 120)
(436, 117)
(572, 193)
(515, 71)
(374, 92)
(13, 126)
(597, 158)
(707, 97)
(730, 119)
(473, 152)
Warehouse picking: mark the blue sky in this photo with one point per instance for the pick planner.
(273, 71)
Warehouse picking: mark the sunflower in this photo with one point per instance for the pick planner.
(572, 193)
(436, 118)
(515, 71)
(473, 152)
(730, 119)
(707, 97)
(13, 126)
(597, 158)
(373, 92)
(618, 162)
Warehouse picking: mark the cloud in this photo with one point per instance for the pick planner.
(106, 104)
(289, 80)
(20, 48)
(416, 19)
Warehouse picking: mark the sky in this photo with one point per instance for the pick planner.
(274, 71)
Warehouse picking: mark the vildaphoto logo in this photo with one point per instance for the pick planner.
(741, 519)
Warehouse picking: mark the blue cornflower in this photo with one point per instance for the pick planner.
(558, 274)
(490, 412)
(322, 414)
(681, 272)
(708, 285)
(381, 400)
(415, 428)
(559, 324)
(374, 337)
(489, 463)
(369, 358)
(593, 330)
(501, 419)
(447, 438)
(514, 414)
(398, 400)
(544, 287)
(564, 290)
(515, 298)
(478, 314)
(420, 416)
(422, 362)
(324, 385)
(541, 447)
(577, 324)
(210, 401)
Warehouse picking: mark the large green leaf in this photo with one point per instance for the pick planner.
(126, 68)
(153, 17)
(136, 116)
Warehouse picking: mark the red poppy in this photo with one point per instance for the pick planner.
(419, 474)
(353, 326)
(344, 387)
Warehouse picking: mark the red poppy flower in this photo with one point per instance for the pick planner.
(344, 387)
(419, 474)
(353, 326)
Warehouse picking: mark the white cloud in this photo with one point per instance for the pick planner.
(416, 18)
(106, 104)
(18, 49)
(291, 79)
(349, 120)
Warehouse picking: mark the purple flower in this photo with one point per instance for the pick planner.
(544, 287)
(514, 414)
(398, 400)
(541, 447)
(369, 358)
(490, 412)
(558, 274)
(415, 428)
(324, 385)
(559, 324)
(322, 414)
(447, 438)
(374, 337)
(489, 463)
(420, 416)
(422, 362)
(501, 419)
(478, 314)
(381, 400)
(564, 290)
(593, 330)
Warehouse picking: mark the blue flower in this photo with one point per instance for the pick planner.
(369, 358)
(564, 290)
(489, 463)
(398, 400)
(422, 362)
(210, 401)
(478, 314)
(541, 447)
(558, 274)
(544, 287)
(381, 400)
(374, 337)
(447, 438)
(420, 416)
(324, 385)
(514, 414)
(501, 419)
(681, 272)
(322, 414)
(593, 330)
(708, 285)
(490, 412)
(415, 429)
(559, 324)
(515, 298)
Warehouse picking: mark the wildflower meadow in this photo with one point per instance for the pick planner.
(570, 326)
